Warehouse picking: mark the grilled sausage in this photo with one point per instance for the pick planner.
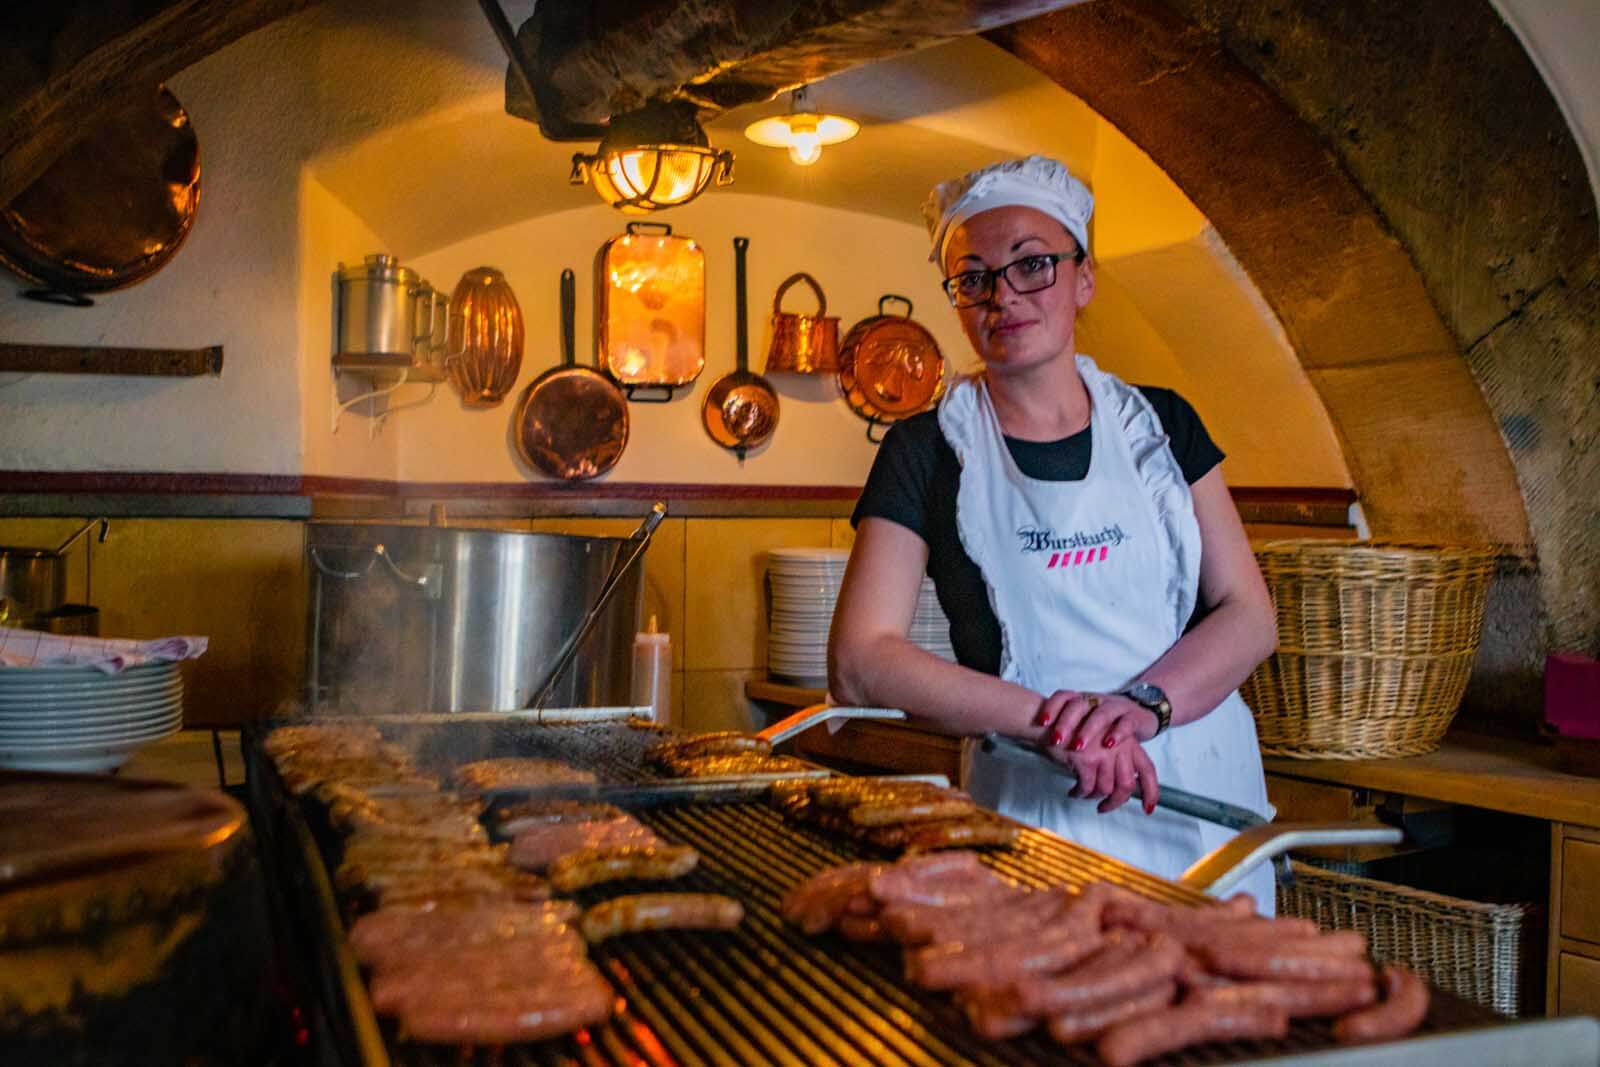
(1086, 1024)
(1122, 969)
(887, 812)
(376, 934)
(1262, 960)
(506, 1018)
(1405, 1003)
(867, 928)
(996, 963)
(942, 878)
(977, 830)
(720, 743)
(995, 1020)
(415, 980)
(591, 866)
(997, 917)
(1302, 1000)
(1188, 1024)
(817, 903)
(660, 911)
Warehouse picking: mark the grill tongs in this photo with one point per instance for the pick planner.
(1258, 841)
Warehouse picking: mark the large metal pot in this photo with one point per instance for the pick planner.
(428, 618)
(33, 581)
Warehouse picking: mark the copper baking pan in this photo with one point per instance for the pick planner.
(651, 295)
(112, 210)
(890, 367)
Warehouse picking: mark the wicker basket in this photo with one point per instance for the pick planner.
(1477, 951)
(1375, 643)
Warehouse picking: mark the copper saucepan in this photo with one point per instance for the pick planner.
(571, 422)
(890, 367)
(741, 408)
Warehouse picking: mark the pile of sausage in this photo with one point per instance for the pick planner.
(901, 815)
(1102, 964)
(722, 755)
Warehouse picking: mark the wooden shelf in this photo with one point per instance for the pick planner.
(1494, 773)
(82, 359)
(795, 696)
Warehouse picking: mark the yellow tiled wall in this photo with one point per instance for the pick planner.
(242, 583)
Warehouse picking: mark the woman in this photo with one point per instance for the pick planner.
(1103, 598)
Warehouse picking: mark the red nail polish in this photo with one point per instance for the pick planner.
(1077, 746)
(1057, 737)
(1111, 742)
(1041, 718)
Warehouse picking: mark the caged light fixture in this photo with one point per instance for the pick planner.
(802, 131)
(652, 158)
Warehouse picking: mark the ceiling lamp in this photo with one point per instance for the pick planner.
(655, 157)
(802, 131)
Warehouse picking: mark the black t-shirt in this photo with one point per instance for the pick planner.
(914, 482)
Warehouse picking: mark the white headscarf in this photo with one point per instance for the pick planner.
(1038, 182)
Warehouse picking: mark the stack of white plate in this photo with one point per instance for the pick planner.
(82, 719)
(805, 586)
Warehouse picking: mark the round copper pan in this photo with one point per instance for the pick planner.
(112, 210)
(741, 408)
(889, 367)
(571, 422)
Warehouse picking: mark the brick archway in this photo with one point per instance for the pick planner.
(1406, 195)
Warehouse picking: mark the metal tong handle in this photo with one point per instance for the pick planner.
(1258, 840)
(806, 718)
(569, 651)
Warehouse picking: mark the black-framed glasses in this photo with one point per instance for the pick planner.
(1026, 275)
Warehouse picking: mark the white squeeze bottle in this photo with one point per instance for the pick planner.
(652, 672)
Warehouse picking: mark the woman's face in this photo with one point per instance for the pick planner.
(1014, 331)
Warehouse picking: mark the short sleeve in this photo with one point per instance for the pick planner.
(899, 485)
(1197, 454)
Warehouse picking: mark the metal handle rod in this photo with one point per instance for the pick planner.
(806, 718)
(569, 651)
(1205, 809)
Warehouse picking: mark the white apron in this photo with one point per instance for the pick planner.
(1092, 581)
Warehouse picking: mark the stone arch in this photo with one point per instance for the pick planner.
(1403, 189)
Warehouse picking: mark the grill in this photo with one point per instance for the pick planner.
(763, 994)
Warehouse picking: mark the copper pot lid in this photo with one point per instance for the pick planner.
(890, 367)
(112, 210)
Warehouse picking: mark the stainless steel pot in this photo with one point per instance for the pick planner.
(33, 581)
(389, 317)
(426, 618)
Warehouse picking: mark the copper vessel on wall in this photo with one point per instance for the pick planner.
(803, 344)
(111, 211)
(486, 335)
(889, 367)
(651, 322)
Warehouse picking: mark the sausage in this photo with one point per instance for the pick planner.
(995, 918)
(413, 981)
(984, 962)
(815, 904)
(1264, 960)
(942, 878)
(660, 911)
(591, 866)
(889, 811)
(1122, 969)
(720, 743)
(862, 928)
(1086, 1024)
(994, 1020)
(1187, 1024)
(476, 1018)
(1404, 1004)
(1302, 1000)
(973, 831)
(376, 933)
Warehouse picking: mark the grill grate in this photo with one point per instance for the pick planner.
(614, 751)
(765, 993)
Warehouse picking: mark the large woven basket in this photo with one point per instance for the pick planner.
(1474, 950)
(1375, 643)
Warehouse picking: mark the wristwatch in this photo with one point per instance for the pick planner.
(1154, 700)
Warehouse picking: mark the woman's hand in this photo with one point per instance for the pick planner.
(1098, 735)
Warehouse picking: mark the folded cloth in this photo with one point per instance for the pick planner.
(34, 648)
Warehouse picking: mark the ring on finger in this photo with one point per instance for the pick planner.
(1094, 702)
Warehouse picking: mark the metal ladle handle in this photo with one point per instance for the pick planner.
(569, 651)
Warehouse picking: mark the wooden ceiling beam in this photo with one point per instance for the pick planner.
(592, 59)
(66, 63)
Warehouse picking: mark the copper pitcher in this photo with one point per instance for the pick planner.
(803, 344)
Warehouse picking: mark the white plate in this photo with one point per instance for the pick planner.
(88, 704)
(20, 694)
(68, 675)
(87, 759)
(58, 738)
(57, 727)
(12, 716)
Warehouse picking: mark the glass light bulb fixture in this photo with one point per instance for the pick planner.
(802, 131)
(653, 158)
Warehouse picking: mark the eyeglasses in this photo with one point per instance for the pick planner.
(1026, 275)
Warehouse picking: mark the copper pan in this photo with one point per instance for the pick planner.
(571, 422)
(741, 409)
(890, 367)
(803, 344)
(111, 211)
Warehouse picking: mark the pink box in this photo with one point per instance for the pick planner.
(1572, 694)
